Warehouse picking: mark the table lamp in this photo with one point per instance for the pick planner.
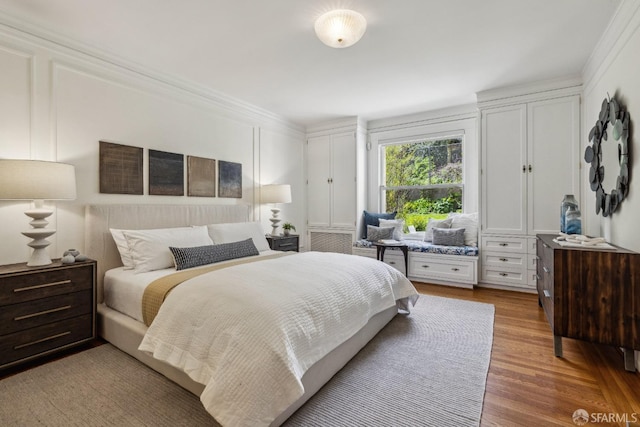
(275, 193)
(37, 180)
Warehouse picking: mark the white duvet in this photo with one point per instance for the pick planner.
(250, 332)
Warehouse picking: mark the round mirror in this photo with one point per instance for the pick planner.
(609, 157)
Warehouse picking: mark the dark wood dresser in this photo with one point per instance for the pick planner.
(590, 294)
(45, 309)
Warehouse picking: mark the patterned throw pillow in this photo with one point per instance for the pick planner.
(448, 236)
(436, 223)
(203, 255)
(379, 233)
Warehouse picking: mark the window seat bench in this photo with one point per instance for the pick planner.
(445, 265)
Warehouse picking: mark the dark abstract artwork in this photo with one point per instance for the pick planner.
(201, 177)
(229, 179)
(166, 173)
(120, 169)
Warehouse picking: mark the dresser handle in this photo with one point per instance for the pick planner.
(504, 274)
(546, 270)
(45, 285)
(285, 244)
(52, 337)
(546, 293)
(503, 244)
(537, 277)
(504, 259)
(40, 313)
(545, 245)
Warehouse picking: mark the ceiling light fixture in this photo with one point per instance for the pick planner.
(340, 28)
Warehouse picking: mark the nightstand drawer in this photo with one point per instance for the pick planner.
(26, 315)
(32, 285)
(53, 336)
(284, 243)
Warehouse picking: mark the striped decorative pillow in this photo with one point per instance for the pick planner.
(209, 254)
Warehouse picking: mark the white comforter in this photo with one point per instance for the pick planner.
(250, 332)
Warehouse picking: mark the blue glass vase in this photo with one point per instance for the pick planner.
(573, 221)
(568, 201)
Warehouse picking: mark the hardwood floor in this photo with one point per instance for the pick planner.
(528, 386)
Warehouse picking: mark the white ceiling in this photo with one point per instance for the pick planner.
(416, 55)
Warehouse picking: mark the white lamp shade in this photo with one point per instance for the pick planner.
(36, 180)
(340, 28)
(275, 193)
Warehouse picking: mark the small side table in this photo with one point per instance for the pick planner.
(284, 243)
(381, 247)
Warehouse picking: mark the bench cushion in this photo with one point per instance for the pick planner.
(427, 247)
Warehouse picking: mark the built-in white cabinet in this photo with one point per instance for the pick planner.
(335, 184)
(529, 160)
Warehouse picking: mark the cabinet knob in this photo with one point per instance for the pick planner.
(503, 244)
(504, 274)
(530, 168)
(524, 169)
(504, 259)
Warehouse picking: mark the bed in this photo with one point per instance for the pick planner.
(119, 317)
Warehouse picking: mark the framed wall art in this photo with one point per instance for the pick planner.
(166, 173)
(201, 177)
(120, 169)
(229, 179)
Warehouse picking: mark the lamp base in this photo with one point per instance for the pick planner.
(274, 221)
(39, 234)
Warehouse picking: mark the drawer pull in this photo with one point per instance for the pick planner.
(504, 259)
(455, 269)
(538, 277)
(504, 274)
(546, 293)
(392, 262)
(44, 285)
(545, 245)
(52, 337)
(425, 266)
(285, 244)
(546, 270)
(504, 244)
(41, 313)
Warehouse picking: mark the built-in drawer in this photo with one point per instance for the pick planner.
(504, 244)
(33, 285)
(395, 260)
(532, 261)
(30, 314)
(460, 270)
(513, 277)
(504, 260)
(52, 336)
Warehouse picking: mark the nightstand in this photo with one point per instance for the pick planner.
(284, 243)
(45, 309)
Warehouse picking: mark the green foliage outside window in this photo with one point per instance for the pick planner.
(423, 180)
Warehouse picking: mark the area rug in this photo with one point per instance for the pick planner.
(425, 369)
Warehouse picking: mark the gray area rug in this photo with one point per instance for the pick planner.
(425, 369)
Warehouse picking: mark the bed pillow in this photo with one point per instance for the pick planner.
(379, 233)
(374, 219)
(235, 231)
(123, 247)
(210, 254)
(448, 236)
(150, 248)
(398, 227)
(436, 223)
(470, 224)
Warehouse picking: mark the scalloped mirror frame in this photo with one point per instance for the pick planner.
(611, 113)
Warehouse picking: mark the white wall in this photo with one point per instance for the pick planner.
(613, 70)
(57, 104)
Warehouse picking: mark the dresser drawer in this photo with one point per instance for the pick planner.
(505, 260)
(514, 277)
(43, 283)
(458, 271)
(53, 336)
(30, 314)
(504, 244)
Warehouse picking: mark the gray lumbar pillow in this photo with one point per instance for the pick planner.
(448, 236)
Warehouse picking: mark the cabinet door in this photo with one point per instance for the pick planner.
(318, 177)
(343, 182)
(503, 179)
(553, 144)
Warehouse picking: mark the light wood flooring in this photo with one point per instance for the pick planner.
(528, 386)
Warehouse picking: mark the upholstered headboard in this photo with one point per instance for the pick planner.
(99, 244)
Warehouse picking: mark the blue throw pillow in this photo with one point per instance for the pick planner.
(374, 219)
(209, 254)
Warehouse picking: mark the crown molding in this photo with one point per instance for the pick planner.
(59, 43)
(561, 86)
(345, 124)
(622, 26)
(449, 114)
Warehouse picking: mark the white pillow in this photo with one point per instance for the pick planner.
(470, 224)
(433, 223)
(398, 227)
(235, 231)
(123, 247)
(149, 249)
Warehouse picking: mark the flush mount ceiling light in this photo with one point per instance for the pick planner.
(340, 28)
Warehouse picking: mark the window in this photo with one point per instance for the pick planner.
(422, 179)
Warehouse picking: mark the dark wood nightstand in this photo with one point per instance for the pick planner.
(284, 243)
(45, 309)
